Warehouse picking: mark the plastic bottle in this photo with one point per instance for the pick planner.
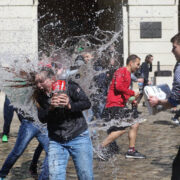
(131, 99)
(61, 85)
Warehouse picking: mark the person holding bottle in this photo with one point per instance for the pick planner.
(67, 128)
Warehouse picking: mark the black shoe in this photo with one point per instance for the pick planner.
(33, 170)
(135, 155)
(113, 148)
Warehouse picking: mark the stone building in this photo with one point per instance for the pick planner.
(18, 28)
(147, 26)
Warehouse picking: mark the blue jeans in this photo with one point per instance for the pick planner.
(37, 154)
(27, 132)
(8, 115)
(80, 149)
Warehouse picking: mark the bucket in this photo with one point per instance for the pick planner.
(161, 92)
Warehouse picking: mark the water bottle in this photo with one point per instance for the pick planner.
(61, 85)
(131, 99)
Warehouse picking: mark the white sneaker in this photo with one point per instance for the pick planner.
(176, 121)
(142, 120)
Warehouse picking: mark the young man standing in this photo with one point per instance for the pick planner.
(174, 98)
(67, 128)
(116, 109)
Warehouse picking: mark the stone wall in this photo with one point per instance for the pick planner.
(18, 28)
(165, 14)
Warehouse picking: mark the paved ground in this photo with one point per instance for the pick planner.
(158, 138)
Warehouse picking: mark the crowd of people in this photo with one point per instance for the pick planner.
(65, 114)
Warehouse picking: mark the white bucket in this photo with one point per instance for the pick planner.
(161, 92)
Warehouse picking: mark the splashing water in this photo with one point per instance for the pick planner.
(17, 74)
(17, 81)
(17, 78)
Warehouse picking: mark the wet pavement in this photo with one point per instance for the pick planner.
(158, 139)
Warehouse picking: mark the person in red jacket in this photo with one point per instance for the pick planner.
(116, 110)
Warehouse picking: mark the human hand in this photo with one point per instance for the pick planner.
(153, 100)
(60, 100)
(137, 94)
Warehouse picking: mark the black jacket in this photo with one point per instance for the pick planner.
(144, 70)
(65, 124)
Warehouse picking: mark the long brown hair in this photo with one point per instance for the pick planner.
(148, 57)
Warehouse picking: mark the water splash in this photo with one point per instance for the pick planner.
(17, 73)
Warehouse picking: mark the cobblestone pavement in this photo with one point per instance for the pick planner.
(158, 139)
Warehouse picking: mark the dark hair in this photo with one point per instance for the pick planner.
(48, 73)
(132, 57)
(176, 38)
(148, 57)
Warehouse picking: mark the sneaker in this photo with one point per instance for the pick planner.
(176, 121)
(135, 155)
(102, 154)
(141, 120)
(4, 138)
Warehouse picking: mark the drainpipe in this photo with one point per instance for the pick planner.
(35, 28)
(35, 2)
(176, 2)
(125, 31)
(176, 15)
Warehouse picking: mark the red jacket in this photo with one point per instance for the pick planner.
(119, 91)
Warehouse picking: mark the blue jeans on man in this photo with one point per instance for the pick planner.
(81, 151)
(26, 133)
